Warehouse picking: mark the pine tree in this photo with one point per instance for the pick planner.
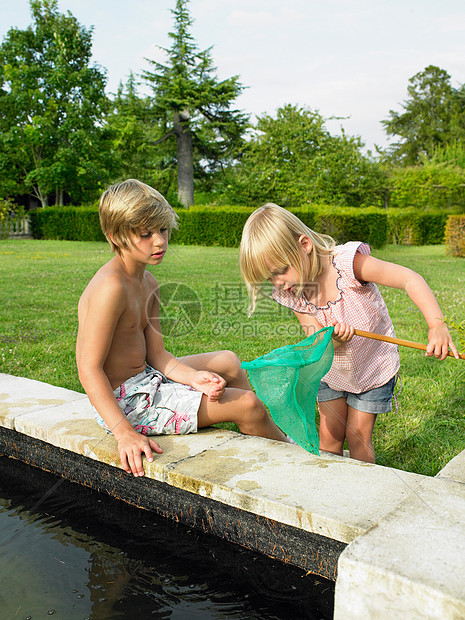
(194, 106)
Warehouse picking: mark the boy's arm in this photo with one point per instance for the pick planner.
(370, 269)
(105, 305)
(209, 383)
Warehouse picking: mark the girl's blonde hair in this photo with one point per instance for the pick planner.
(129, 207)
(270, 242)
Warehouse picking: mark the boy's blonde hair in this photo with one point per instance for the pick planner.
(270, 242)
(129, 207)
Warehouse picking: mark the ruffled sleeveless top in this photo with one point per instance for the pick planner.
(361, 364)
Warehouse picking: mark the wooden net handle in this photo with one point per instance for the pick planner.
(399, 341)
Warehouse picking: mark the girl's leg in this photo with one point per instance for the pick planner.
(333, 418)
(244, 409)
(359, 435)
(224, 363)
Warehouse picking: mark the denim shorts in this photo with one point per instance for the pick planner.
(378, 400)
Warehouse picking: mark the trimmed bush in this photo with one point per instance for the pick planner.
(223, 225)
(413, 227)
(71, 223)
(455, 235)
(353, 224)
(220, 226)
(211, 226)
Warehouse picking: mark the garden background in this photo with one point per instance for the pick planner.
(63, 140)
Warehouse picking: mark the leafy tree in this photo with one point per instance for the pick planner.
(194, 106)
(433, 116)
(293, 159)
(53, 103)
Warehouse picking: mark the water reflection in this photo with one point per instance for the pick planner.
(78, 554)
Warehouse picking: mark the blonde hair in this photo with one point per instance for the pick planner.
(270, 242)
(128, 207)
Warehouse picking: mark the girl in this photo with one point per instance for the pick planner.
(328, 284)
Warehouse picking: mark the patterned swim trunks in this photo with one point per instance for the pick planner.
(157, 406)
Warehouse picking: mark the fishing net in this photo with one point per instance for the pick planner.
(287, 381)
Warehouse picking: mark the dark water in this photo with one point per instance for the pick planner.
(69, 552)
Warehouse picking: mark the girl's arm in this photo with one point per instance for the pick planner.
(342, 331)
(105, 304)
(370, 269)
(209, 383)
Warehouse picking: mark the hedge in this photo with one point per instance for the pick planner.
(352, 224)
(223, 225)
(71, 223)
(413, 227)
(455, 235)
(211, 226)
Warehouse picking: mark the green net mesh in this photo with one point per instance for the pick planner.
(287, 381)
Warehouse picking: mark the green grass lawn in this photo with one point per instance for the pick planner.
(206, 309)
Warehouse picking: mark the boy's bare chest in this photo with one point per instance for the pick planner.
(135, 316)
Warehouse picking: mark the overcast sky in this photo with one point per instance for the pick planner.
(348, 58)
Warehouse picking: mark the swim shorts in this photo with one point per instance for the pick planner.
(377, 400)
(154, 405)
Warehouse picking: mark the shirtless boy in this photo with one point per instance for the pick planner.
(136, 386)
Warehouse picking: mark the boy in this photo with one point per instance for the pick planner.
(119, 342)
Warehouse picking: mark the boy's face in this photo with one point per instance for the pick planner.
(149, 247)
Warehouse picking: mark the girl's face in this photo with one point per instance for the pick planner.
(286, 278)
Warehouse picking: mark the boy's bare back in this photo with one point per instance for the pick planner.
(118, 303)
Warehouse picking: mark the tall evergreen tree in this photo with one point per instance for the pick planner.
(194, 106)
(53, 103)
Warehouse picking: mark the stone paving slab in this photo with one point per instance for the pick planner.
(19, 396)
(331, 496)
(455, 469)
(72, 427)
(412, 564)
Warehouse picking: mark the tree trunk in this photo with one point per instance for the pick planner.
(185, 158)
(59, 197)
(40, 196)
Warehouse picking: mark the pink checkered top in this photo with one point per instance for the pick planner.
(361, 364)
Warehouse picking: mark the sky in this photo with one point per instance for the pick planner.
(348, 59)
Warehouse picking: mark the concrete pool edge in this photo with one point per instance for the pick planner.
(311, 511)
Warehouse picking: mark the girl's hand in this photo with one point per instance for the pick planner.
(439, 341)
(343, 332)
(211, 384)
(131, 446)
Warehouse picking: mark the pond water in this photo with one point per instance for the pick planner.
(69, 552)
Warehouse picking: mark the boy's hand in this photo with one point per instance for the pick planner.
(343, 332)
(211, 384)
(439, 341)
(131, 447)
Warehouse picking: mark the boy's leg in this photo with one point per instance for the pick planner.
(359, 435)
(333, 419)
(224, 363)
(244, 409)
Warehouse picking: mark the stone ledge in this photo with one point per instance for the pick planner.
(19, 396)
(455, 469)
(412, 564)
(264, 493)
(283, 482)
